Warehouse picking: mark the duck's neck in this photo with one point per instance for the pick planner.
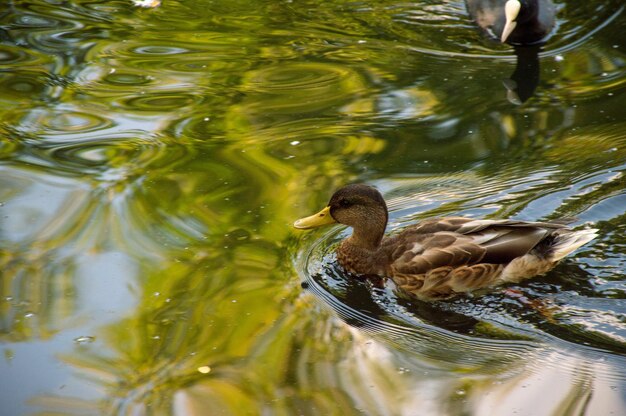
(361, 254)
(368, 235)
(530, 10)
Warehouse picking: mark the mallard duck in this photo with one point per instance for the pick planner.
(441, 257)
(519, 22)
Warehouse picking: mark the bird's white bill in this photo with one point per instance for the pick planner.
(511, 11)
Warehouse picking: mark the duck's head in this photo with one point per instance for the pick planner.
(358, 206)
(516, 13)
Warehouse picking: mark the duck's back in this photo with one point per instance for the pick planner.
(441, 256)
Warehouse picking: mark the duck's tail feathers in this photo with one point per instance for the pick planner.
(566, 241)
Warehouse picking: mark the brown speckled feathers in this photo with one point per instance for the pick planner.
(443, 256)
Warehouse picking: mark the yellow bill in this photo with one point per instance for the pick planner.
(317, 220)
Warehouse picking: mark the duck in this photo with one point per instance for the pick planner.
(518, 22)
(440, 258)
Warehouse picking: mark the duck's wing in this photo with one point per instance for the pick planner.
(455, 242)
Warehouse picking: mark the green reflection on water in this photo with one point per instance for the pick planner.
(152, 162)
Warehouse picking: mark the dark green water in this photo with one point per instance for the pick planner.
(152, 162)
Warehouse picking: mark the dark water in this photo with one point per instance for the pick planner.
(152, 162)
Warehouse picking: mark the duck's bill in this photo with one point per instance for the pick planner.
(321, 218)
(511, 11)
(506, 32)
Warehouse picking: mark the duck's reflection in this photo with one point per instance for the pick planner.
(525, 79)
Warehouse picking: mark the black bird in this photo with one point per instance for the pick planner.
(518, 22)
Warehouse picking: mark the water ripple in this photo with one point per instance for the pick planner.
(159, 102)
(64, 122)
(11, 56)
(25, 86)
(201, 51)
(302, 87)
(106, 158)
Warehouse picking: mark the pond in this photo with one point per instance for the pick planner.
(153, 160)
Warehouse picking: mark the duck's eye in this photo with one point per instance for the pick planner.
(345, 203)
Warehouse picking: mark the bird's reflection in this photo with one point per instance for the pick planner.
(524, 24)
(524, 80)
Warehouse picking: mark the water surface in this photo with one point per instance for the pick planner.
(152, 161)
